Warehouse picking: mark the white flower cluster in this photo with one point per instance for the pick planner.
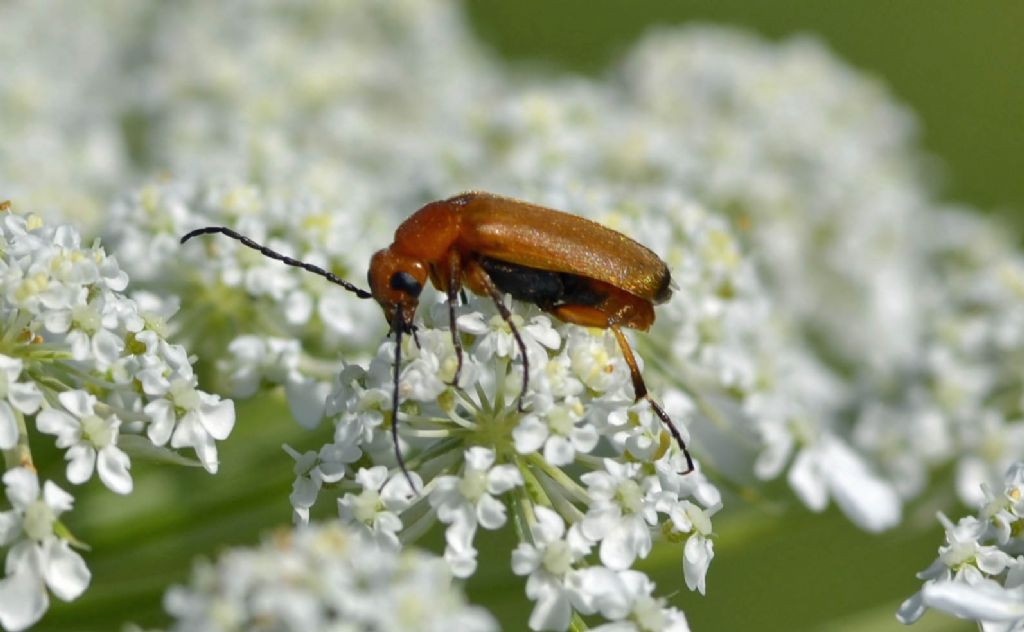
(269, 324)
(918, 307)
(90, 366)
(979, 573)
(588, 476)
(345, 93)
(965, 403)
(323, 578)
(813, 160)
(63, 109)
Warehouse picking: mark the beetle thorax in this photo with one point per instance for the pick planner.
(429, 233)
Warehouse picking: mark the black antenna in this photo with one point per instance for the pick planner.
(398, 326)
(267, 252)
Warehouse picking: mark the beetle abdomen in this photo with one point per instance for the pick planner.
(543, 288)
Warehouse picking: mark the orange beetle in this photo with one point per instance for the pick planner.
(577, 270)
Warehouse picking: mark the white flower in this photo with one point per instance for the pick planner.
(636, 609)
(377, 507)
(547, 561)
(831, 467)
(537, 335)
(308, 480)
(204, 417)
(37, 559)
(463, 502)
(329, 465)
(254, 359)
(90, 441)
(699, 550)
(557, 430)
(596, 361)
(620, 514)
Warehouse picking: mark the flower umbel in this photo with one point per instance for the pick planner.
(475, 462)
(323, 577)
(82, 361)
(979, 573)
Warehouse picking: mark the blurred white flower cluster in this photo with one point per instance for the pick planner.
(964, 402)
(833, 324)
(83, 362)
(323, 578)
(979, 573)
(63, 109)
(813, 161)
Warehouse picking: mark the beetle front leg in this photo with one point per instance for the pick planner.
(478, 278)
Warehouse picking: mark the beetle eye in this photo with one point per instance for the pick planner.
(405, 282)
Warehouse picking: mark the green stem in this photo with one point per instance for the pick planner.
(21, 454)
(556, 474)
(577, 624)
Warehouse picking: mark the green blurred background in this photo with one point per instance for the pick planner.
(957, 65)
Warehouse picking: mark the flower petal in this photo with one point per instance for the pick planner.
(8, 427)
(529, 435)
(66, 573)
(113, 466)
(22, 600)
(984, 601)
(217, 416)
(22, 487)
(490, 512)
(77, 402)
(25, 396)
(81, 462)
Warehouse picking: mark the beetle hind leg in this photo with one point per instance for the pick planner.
(628, 312)
(640, 392)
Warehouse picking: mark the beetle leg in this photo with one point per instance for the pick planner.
(478, 278)
(454, 289)
(629, 312)
(397, 326)
(640, 392)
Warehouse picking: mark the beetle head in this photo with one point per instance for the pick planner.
(396, 281)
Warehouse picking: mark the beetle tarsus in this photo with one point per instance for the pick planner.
(640, 392)
(674, 431)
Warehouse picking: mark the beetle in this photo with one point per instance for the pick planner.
(575, 269)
